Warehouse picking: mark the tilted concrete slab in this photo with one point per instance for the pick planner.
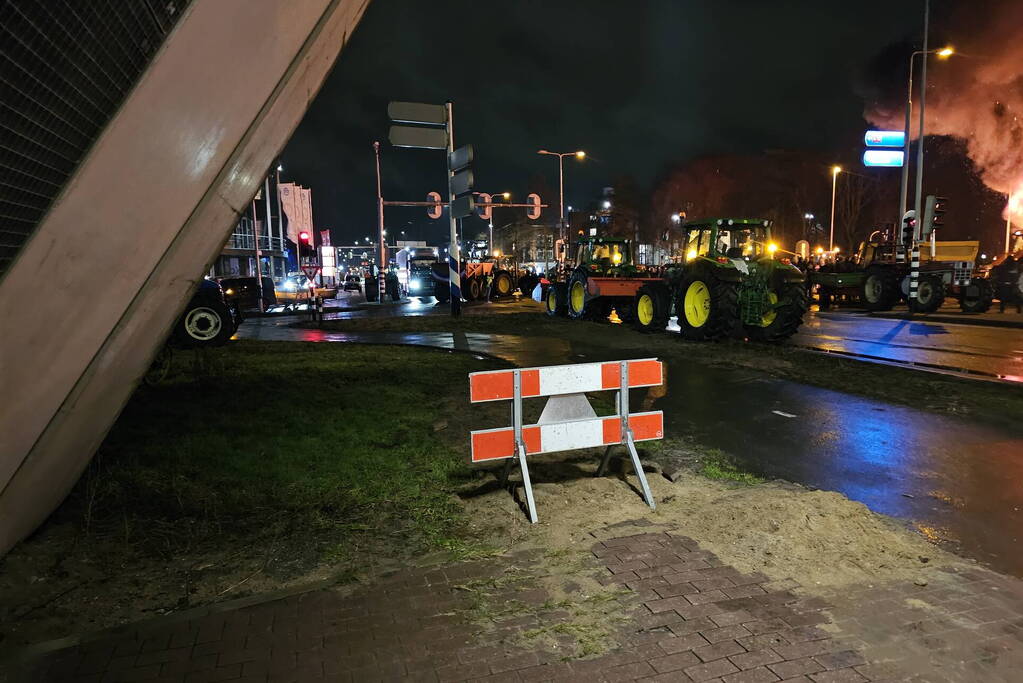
(125, 245)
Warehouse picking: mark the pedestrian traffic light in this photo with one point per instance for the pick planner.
(934, 214)
(533, 212)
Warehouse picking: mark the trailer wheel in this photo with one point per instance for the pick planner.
(556, 300)
(502, 285)
(708, 308)
(930, 294)
(203, 324)
(978, 301)
(650, 308)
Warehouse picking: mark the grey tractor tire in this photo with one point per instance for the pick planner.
(880, 290)
(660, 300)
(723, 320)
(980, 303)
(204, 324)
(789, 317)
(930, 294)
(555, 300)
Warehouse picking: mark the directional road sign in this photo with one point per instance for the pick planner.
(460, 158)
(461, 182)
(421, 138)
(463, 207)
(417, 112)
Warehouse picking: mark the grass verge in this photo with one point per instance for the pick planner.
(249, 467)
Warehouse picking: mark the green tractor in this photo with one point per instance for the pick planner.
(731, 285)
(605, 277)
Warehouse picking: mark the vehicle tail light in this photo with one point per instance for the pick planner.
(722, 259)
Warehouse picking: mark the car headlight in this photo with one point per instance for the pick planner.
(414, 284)
(228, 291)
(288, 286)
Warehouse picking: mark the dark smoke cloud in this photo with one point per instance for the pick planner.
(977, 95)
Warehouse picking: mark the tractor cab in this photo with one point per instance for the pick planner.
(732, 238)
(604, 255)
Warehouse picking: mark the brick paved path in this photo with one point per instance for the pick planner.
(687, 617)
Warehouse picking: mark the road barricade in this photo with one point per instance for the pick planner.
(568, 421)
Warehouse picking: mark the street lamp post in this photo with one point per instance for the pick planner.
(561, 183)
(835, 170)
(507, 196)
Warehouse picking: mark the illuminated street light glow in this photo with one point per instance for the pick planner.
(946, 52)
(580, 154)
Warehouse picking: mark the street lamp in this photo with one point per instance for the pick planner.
(943, 53)
(835, 170)
(561, 182)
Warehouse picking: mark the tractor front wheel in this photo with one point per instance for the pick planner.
(555, 299)
(782, 322)
(708, 309)
(880, 290)
(930, 294)
(578, 308)
(651, 308)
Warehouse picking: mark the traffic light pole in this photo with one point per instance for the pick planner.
(381, 279)
(453, 251)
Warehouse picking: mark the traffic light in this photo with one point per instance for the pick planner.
(437, 209)
(934, 214)
(533, 212)
(908, 227)
(486, 206)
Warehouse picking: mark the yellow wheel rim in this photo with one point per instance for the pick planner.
(503, 285)
(645, 310)
(696, 305)
(770, 315)
(578, 298)
(552, 300)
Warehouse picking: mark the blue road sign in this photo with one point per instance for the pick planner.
(884, 138)
(891, 158)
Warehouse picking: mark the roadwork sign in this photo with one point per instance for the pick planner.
(568, 421)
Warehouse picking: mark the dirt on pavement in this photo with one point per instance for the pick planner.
(819, 538)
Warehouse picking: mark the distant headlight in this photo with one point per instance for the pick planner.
(288, 286)
(228, 291)
(414, 284)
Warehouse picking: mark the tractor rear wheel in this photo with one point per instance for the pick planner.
(651, 308)
(978, 302)
(880, 290)
(555, 299)
(708, 308)
(502, 285)
(781, 323)
(930, 294)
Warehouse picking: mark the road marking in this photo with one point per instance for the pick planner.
(778, 412)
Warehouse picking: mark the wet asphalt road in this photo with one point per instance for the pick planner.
(986, 351)
(956, 481)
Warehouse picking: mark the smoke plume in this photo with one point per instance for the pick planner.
(976, 95)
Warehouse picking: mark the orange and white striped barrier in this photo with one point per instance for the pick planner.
(568, 421)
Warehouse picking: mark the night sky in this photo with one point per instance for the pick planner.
(638, 85)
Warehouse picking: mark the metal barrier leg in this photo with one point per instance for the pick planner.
(640, 474)
(526, 483)
(604, 461)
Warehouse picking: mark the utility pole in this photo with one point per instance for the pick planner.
(280, 217)
(914, 258)
(259, 270)
(453, 251)
(269, 222)
(381, 285)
